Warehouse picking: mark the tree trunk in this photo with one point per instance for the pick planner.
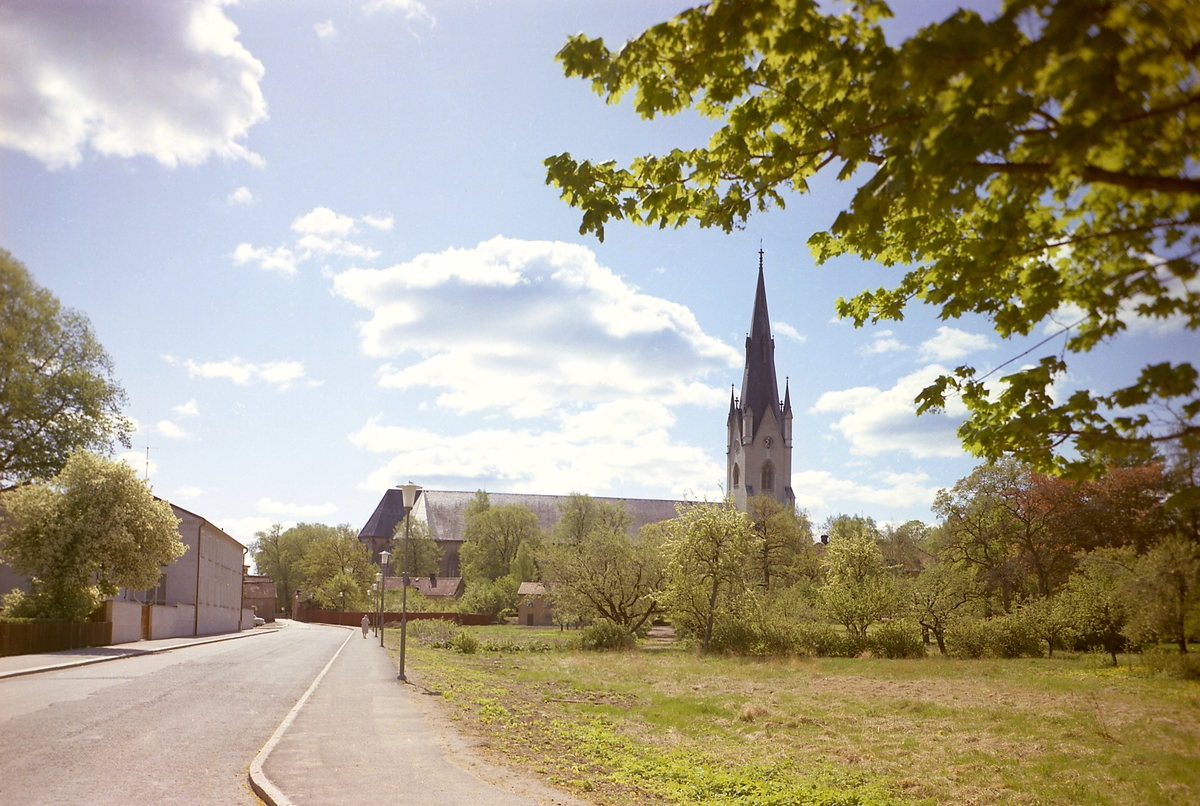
(940, 635)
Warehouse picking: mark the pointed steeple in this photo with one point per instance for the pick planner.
(787, 395)
(760, 387)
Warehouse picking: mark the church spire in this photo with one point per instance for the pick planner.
(760, 387)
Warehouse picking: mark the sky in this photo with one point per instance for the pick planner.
(316, 240)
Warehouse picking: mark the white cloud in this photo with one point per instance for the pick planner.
(171, 431)
(137, 460)
(877, 420)
(167, 80)
(378, 222)
(951, 343)
(186, 493)
(268, 507)
(325, 29)
(323, 221)
(548, 334)
(280, 259)
(413, 10)
(244, 528)
(822, 491)
(315, 244)
(550, 330)
(789, 331)
(242, 372)
(187, 409)
(617, 445)
(240, 196)
(884, 342)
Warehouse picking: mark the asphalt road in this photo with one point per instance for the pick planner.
(176, 728)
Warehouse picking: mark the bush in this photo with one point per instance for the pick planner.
(897, 639)
(1173, 664)
(816, 638)
(603, 634)
(433, 632)
(998, 637)
(464, 642)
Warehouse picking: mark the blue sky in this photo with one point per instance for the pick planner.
(316, 240)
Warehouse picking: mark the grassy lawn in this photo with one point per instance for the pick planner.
(669, 726)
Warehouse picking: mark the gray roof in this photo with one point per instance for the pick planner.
(444, 511)
(760, 386)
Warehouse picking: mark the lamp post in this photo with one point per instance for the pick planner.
(409, 492)
(384, 556)
(379, 612)
(373, 587)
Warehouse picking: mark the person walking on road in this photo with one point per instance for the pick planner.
(366, 625)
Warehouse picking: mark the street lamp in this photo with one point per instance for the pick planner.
(379, 612)
(409, 492)
(384, 556)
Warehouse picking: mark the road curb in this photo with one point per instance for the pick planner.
(263, 786)
(54, 667)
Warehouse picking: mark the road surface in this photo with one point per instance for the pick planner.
(175, 728)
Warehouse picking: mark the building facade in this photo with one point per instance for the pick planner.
(759, 427)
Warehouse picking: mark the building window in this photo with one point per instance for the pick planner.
(736, 476)
(768, 476)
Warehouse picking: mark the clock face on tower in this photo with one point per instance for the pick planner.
(767, 442)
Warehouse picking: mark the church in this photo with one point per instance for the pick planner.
(758, 461)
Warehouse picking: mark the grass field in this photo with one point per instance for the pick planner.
(670, 726)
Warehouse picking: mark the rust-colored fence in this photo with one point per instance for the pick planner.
(27, 639)
(390, 619)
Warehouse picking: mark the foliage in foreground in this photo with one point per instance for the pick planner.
(1034, 169)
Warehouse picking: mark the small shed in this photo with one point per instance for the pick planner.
(533, 605)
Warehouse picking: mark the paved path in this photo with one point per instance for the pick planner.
(365, 737)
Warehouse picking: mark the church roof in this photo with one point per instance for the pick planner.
(445, 511)
(760, 387)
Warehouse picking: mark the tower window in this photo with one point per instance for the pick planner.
(768, 476)
(736, 476)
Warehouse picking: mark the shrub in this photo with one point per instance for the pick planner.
(464, 642)
(816, 638)
(1000, 637)
(1012, 636)
(603, 634)
(897, 639)
(1172, 664)
(433, 632)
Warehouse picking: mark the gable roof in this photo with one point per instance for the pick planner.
(445, 511)
(531, 589)
(435, 588)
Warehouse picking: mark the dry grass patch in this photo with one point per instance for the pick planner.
(669, 726)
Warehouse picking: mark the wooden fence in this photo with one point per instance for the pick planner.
(28, 639)
(390, 619)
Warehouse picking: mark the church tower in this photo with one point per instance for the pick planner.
(759, 452)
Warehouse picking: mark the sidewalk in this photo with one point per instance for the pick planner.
(365, 737)
(15, 665)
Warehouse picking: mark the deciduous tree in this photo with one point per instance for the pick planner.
(609, 575)
(57, 392)
(858, 591)
(707, 549)
(492, 537)
(1036, 169)
(782, 536)
(84, 534)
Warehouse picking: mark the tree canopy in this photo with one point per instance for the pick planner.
(1036, 169)
(57, 392)
(84, 534)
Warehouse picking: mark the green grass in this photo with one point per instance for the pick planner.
(670, 726)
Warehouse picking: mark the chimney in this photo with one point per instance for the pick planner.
(824, 540)
(433, 580)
